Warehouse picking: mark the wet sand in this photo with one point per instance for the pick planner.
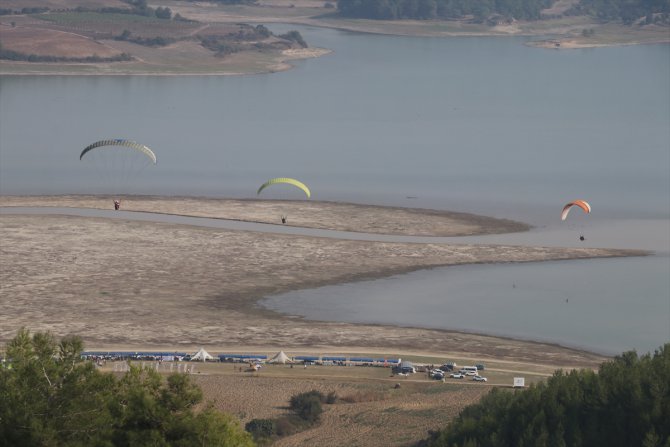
(123, 284)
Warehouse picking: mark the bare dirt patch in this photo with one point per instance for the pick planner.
(559, 7)
(47, 42)
(62, 4)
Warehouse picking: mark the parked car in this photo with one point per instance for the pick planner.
(437, 374)
(456, 375)
(469, 370)
(479, 379)
(448, 367)
(480, 367)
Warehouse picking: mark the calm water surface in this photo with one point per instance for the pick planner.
(473, 124)
(568, 302)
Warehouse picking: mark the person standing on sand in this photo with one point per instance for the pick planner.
(117, 204)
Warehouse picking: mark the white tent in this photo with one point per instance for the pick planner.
(202, 355)
(280, 357)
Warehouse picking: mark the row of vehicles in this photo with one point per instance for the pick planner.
(465, 371)
(476, 377)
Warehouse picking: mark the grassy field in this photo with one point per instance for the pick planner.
(373, 407)
(99, 23)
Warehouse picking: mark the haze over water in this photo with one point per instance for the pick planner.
(470, 124)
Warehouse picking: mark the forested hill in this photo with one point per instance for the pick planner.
(627, 403)
(627, 11)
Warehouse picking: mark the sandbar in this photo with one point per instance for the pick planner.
(123, 284)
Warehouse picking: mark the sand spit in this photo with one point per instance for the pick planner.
(310, 214)
(149, 285)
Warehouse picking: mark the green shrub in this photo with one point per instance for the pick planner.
(288, 425)
(261, 428)
(308, 405)
(331, 398)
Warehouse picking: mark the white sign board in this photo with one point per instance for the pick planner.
(519, 382)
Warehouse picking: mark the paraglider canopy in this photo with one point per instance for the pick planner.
(580, 203)
(289, 181)
(123, 143)
(118, 164)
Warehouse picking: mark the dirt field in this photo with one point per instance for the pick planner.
(47, 42)
(62, 4)
(374, 414)
(370, 410)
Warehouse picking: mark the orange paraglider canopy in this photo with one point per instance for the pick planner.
(583, 204)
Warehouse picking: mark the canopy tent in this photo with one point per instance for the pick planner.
(280, 357)
(202, 355)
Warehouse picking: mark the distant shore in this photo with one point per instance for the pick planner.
(187, 58)
(126, 283)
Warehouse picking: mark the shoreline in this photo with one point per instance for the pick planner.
(123, 283)
(280, 65)
(559, 33)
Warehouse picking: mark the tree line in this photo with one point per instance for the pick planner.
(627, 403)
(442, 9)
(139, 7)
(629, 12)
(49, 396)
(626, 11)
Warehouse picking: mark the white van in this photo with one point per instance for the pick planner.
(470, 370)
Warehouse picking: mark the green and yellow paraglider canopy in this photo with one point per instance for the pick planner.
(290, 181)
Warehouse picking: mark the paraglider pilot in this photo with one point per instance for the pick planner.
(581, 238)
(283, 219)
(117, 204)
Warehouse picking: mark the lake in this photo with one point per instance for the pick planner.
(484, 125)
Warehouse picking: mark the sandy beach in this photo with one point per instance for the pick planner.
(127, 284)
